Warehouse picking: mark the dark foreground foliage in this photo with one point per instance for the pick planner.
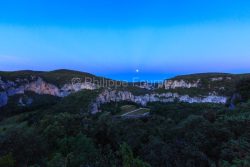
(175, 135)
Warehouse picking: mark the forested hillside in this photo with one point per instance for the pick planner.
(61, 132)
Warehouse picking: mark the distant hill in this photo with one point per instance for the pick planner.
(220, 83)
(210, 75)
(56, 77)
(29, 89)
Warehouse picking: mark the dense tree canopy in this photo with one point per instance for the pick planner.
(64, 134)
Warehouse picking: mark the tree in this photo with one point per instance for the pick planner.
(57, 161)
(7, 160)
(78, 150)
(128, 159)
(243, 88)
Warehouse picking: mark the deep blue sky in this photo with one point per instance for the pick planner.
(160, 38)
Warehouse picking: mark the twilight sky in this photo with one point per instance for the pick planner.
(121, 39)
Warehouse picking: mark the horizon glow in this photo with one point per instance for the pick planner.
(145, 39)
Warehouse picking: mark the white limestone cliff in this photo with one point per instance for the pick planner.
(38, 86)
(41, 87)
(108, 96)
(220, 79)
(173, 84)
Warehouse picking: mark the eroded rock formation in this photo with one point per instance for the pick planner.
(41, 87)
(108, 96)
(173, 84)
(38, 86)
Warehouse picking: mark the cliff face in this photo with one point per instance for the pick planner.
(203, 84)
(221, 78)
(206, 89)
(173, 84)
(38, 86)
(117, 96)
(41, 87)
(68, 88)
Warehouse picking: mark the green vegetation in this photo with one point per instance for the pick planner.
(123, 108)
(243, 88)
(192, 92)
(135, 90)
(57, 77)
(76, 102)
(7, 161)
(12, 76)
(175, 134)
(128, 159)
(39, 102)
(140, 111)
(119, 108)
(127, 108)
(56, 132)
(226, 86)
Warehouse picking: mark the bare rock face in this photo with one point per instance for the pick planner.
(108, 96)
(69, 88)
(3, 99)
(173, 84)
(13, 91)
(94, 108)
(205, 99)
(220, 79)
(217, 79)
(7, 84)
(41, 87)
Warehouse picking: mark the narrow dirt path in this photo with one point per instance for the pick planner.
(131, 112)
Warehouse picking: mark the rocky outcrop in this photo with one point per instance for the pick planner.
(220, 79)
(13, 91)
(217, 79)
(39, 86)
(173, 84)
(3, 99)
(108, 96)
(204, 99)
(69, 88)
(7, 84)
